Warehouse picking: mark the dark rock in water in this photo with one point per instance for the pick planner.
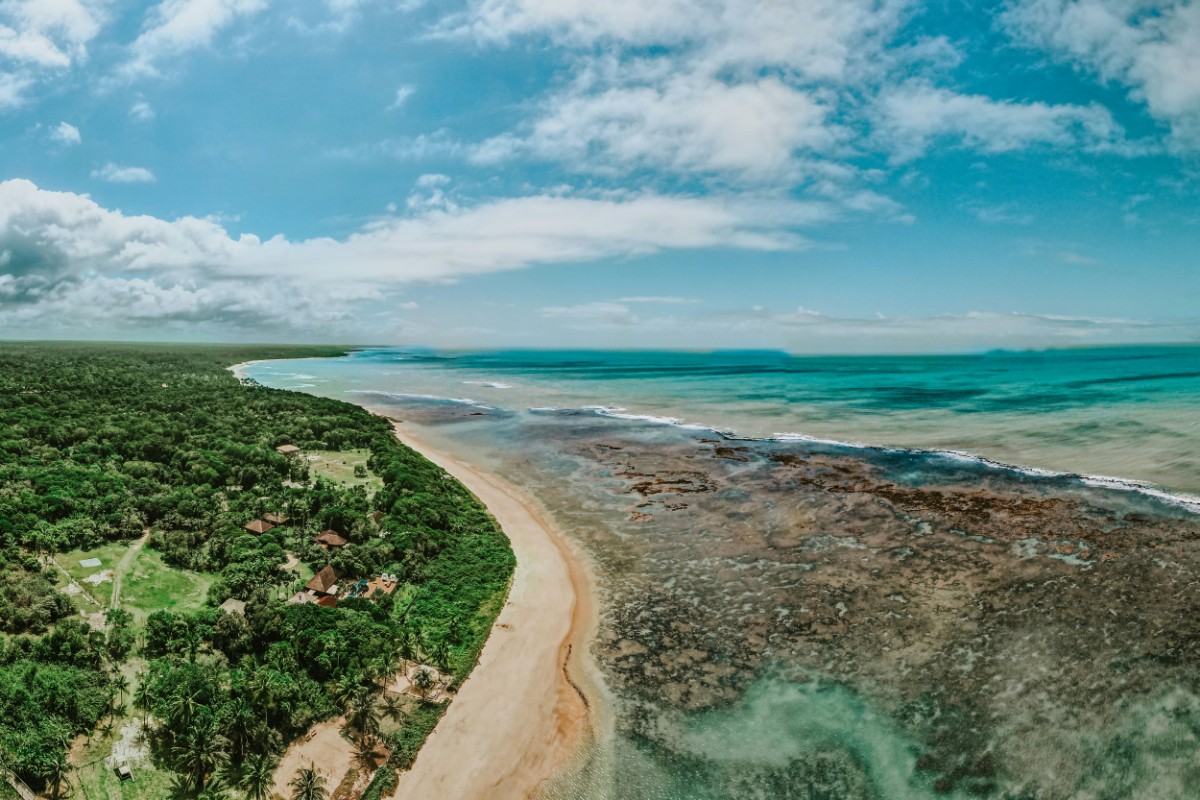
(980, 611)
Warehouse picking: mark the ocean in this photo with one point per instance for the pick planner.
(854, 577)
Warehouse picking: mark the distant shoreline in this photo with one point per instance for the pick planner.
(527, 707)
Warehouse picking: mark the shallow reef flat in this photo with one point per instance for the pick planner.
(897, 624)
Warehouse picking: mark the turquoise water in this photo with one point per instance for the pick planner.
(1130, 412)
(848, 595)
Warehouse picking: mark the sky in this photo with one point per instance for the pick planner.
(809, 175)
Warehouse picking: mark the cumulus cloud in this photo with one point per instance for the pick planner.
(774, 93)
(912, 116)
(66, 134)
(745, 90)
(56, 243)
(48, 33)
(115, 173)
(1153, 48)
(174, 27)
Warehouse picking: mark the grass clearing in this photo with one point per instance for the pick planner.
(338, 466)
(98, 782)
(109, 555)
(153, 585)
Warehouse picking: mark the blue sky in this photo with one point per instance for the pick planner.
(813, 175)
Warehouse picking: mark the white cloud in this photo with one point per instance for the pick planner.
(402, 95)
(1003, 214)
(66, 134)
(61, 232)
(175, 27)
(1151, 47)
(670, 300)
(804, 330)
(603, 313)
(976, 330)
(115, 173)
(12, 90)
(141, 111)
(742, 89)
(683, 123)
(48, 33)
(914, 115)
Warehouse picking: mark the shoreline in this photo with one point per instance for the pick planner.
(526, 709)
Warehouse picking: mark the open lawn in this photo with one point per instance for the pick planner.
(98, 782)
(338, 466)
(109, 555)
(147, 583)
(153, 585)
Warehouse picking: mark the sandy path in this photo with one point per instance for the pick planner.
(324, 748)
(519, 717)
(123, 566)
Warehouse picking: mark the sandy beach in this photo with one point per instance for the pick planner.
(521, 715)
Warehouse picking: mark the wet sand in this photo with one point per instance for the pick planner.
(522, 714)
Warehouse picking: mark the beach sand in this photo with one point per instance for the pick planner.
(521, 715)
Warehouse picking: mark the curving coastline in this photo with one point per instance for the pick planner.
(522, 714)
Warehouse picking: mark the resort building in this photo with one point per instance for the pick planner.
(330, 539)
(322, 590)
(276, 519)
(258, 526)
(232, 606)
(288, 450)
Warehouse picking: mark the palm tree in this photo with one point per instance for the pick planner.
(56, 773)
(259, 777)
(441, 655)
(408, 650)
(142, 697)
(309, 784)
(201, 751)
(121, 684)
(423, 680)
(240, 726)
(182, 708)
(368, 753)
(392, 709)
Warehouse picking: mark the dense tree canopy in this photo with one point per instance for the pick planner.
(106, 443)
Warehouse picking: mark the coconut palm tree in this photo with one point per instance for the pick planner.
(441, 654)
(408, 649)
(200, 752)
(423, 681)
(369, 753)
(121, 684)
(309, 784)
(259, 777)
(142, 697)
(55, 773)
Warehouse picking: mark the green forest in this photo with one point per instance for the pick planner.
(158, 455)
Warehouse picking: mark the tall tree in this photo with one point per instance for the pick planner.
(309, 784)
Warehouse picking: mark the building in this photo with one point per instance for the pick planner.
(276, 519)
(322, 590)
(330, 539)
(288, 450)
(232, 606)
(324, 582)
(258, 526)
